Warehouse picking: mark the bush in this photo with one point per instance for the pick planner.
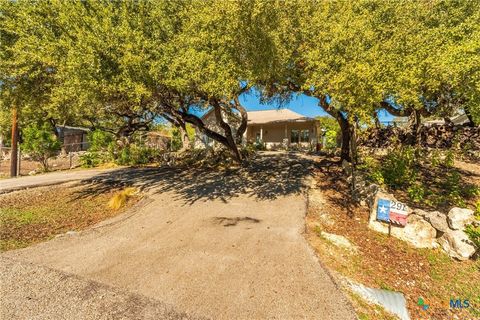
(416, 192)
(40, 143)
(399, 167)
(473, 234)
(136, 155)
(372, 168)
(93, 159)
(177, 136)
(402, 169)
(99, 140)
(330, 140)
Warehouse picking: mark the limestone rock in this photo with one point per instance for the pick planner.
(457, 244)
(417, 232)
(437, 219)
(459, 217)
(338, 240)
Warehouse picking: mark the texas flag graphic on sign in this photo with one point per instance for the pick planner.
(392, 211)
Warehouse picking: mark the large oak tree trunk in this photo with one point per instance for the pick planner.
(244, 121)
(469, 116)
(184, 137)
(346, 136)
(344, 127)
(232, 145)
(228, 143)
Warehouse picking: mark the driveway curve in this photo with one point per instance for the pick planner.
(209, 244)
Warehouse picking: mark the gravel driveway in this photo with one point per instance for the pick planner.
(223, 245)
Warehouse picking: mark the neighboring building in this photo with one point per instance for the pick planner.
(157, 140)
(73, 138)
(276, 129)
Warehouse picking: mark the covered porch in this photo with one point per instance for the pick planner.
(288, 134)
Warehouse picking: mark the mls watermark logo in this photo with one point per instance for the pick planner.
(422, 304)
(459, 304)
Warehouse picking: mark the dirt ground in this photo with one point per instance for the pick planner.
(222, 244)
(386, 262)
(33, 215)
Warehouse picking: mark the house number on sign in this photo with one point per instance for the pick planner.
(392, 211)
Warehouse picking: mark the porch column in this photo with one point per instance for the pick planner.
(261, 133)
(286, 136)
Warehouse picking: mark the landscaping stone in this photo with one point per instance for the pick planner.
(459, 217)
(417, 232)
(456, 244)
(338, 240)
(437, 219)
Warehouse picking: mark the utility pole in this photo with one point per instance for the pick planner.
(14, 150)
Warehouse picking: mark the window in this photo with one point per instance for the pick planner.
(305, 136)
(294, 136)
(297, 136)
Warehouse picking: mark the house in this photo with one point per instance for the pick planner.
(275, 129)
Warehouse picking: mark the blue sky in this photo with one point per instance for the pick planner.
(303, 104)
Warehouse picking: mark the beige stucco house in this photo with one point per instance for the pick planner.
(276, 129)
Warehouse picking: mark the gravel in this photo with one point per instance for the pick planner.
(34, 292)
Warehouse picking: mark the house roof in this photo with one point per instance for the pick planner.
(277, 115)
(59, 128)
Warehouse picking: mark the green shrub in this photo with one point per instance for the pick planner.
(473, 234)
(99, 140)
(372, 168)
(92, 159)
(260, 146)
(453, 188)
(330, 140)
(399, 168)
(136, 155)
(435, 158)
(449, 160)
(248, 150)
(177, 136)
(416, 192)
(40, 143)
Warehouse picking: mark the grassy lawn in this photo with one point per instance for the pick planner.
(386, 262)
(38, 214)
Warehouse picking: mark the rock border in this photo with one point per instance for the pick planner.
(424, 229)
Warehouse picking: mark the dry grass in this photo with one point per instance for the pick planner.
(386, 262)
(121, 198)
(38, 214)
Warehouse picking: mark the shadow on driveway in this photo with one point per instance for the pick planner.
(266, 177)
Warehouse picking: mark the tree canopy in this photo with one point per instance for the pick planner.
(119, 65)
